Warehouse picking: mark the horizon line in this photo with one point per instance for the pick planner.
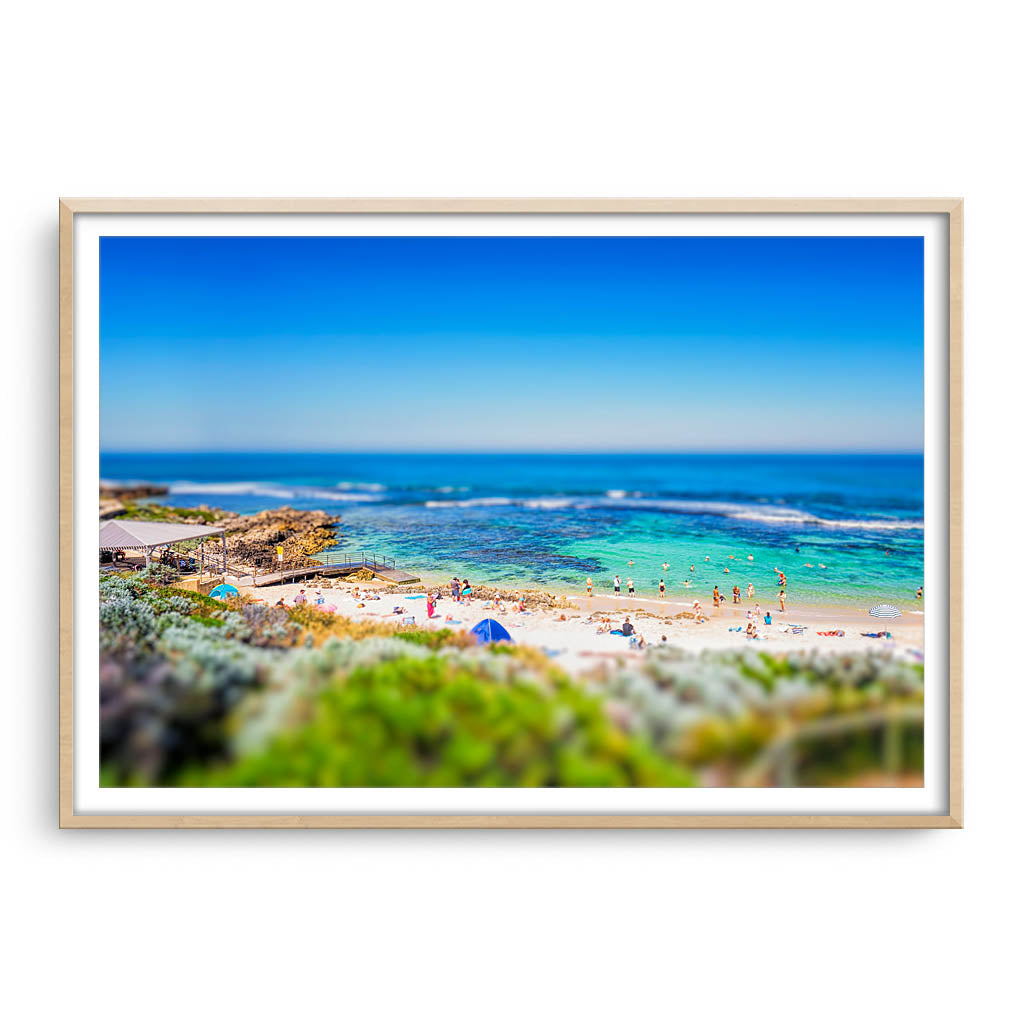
(513, 451)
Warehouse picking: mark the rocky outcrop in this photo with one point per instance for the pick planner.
(252, 541)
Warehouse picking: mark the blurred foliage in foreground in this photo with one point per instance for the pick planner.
(199, 692)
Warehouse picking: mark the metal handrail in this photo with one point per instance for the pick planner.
(332, 559)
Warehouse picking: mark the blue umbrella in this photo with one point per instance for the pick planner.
(224, 590)
(487, 631)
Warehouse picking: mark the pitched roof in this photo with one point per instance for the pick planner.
(133, 533)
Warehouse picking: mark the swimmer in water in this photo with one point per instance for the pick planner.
(707, 558)
(750, 590)
(664, 566)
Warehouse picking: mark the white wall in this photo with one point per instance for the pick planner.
(517, 98)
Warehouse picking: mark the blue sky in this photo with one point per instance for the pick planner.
(515, 344)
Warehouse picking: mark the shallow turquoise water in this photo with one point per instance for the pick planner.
(554, 520)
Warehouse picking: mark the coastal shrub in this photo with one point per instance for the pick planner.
(126, 623)
(160, 713)
(720, 709)
(158, 573)
(165, 513)
(427, 722)
(191, 681)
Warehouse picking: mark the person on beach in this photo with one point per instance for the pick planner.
(698, 613)
(661, 587)
(629, 588)
(627, 628)
(716, 597)
(782, 600)
(617, 585)
(456, 589)
(590, 587)
(735, 595)
(757, 610)
(430, 606)
(920, 593)
(750, 590)
(300, 597)
(467, 590)
(768, 618)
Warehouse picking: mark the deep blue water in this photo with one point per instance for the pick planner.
(557, 519)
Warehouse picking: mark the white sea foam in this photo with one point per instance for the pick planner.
(270, 490)
(769, 515)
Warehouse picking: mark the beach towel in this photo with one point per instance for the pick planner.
(616, 632)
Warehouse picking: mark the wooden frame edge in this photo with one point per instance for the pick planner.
(66, 436)
(508, 205)
(68, 207)
(511, 821)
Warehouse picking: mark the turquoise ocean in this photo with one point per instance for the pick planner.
(846, 529)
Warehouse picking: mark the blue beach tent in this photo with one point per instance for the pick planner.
(224, 590)
(487, 631)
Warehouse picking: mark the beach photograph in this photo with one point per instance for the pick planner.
(526, 511)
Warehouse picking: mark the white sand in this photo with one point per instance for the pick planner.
(578, 644)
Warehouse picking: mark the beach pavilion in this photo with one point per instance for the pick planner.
(138, 535)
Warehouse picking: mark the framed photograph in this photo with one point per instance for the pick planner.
(510, 513)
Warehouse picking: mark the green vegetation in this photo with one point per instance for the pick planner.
(165, 513)
(195, 691)
(413, 722)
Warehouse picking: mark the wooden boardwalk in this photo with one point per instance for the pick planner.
(336, 565)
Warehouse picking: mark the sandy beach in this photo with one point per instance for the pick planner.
(571, 637)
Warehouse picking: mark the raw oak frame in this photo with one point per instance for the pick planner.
(953, 208)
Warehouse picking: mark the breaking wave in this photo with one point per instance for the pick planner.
(280, 491)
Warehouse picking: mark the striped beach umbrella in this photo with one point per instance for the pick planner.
(885, 611)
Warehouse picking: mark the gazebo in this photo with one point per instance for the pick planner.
(138, 535)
